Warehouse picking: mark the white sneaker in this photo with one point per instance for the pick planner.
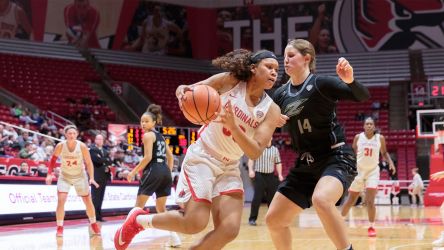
(439, 242)
(174, 240)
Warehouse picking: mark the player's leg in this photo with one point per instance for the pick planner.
(174, 240)
(327, 192)
(63, 187)
(81, 186)
(370, 195)
(227, 213)
(353, 193)
(141, 200)
(259, 189)
(280, 216)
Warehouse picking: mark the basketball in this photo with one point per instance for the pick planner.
(200, 104)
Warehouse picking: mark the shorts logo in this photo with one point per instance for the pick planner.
(181, 194)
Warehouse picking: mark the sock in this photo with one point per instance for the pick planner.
(146, 221)
(92, 220)
(348, 248)
(372, 224)
(60, 223)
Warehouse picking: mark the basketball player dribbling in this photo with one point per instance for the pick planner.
(368, 145)
(210, 179)
(156, 164)
(73, 155)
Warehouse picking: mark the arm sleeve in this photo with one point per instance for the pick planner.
(334, 89)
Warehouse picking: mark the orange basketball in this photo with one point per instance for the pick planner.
(200, 104)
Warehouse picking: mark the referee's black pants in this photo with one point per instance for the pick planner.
(264, 184)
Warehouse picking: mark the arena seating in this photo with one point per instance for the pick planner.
(158, 84)
(58, 85)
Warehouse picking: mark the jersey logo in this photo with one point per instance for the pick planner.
(121, 242)
(182, 194)
(309, 87)
(232, 95)
(295, 107)
(259, 114)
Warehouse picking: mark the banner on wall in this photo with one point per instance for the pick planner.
(90, 23)
(333, 26)
(157, 28)
(16, 20)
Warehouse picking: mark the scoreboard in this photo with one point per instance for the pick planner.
(178, 138)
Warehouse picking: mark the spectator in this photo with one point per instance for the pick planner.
(42, 170)
(15, 21)
(24, 170)
(376, 105)
(27, 151)
(320, 35)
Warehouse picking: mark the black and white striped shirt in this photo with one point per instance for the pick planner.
(266, 162)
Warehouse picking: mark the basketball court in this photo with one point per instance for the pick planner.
(398, 227)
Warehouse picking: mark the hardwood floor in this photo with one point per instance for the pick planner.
(398, 227)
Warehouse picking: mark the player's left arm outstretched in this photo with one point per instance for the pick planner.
(385, 154)
(89, 164)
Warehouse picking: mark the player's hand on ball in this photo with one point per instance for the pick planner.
(345, 70)
(93, 182)
(48, 179)
(180, 91)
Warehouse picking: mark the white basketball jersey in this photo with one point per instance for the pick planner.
(71, 162)
(368, 151)
(8, 22)
(218, 138)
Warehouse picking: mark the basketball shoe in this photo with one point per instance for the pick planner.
(174, 240)
(59, 232)
(371, 232)
(439, 242)
(125, 234)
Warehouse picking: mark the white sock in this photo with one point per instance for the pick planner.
(146, 221)
(92, 220)
(372, 224)
(347, 248)
(60, 223)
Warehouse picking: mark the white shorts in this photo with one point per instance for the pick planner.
(205, 176)
(366, 178)
(80, 184)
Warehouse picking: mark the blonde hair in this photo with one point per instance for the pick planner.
(305, 47)
(67, 127)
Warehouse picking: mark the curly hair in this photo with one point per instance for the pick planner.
(155, 111)
(237, 62)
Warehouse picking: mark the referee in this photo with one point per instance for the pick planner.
(264, 179)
